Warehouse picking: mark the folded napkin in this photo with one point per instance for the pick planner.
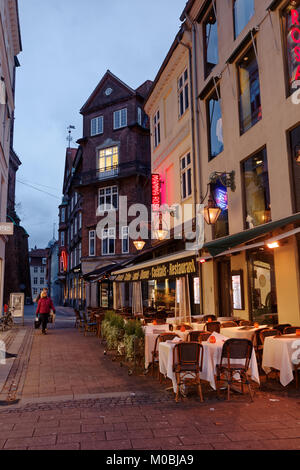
(219, 337)
(155, 332)
(175, 340)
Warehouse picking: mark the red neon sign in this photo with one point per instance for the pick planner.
(156, 197)
(295, 35)
(64, 260)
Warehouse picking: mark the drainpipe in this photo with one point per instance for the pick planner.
(195, 111)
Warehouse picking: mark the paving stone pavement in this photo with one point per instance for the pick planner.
(73, 397)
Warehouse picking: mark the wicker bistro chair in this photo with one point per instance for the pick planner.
(89, 327)
(281, 327)
(160, 339)
(235, 349)
(228, 324)
(209, 317)
(213, 326)
(187, 327)
(187, 365)
(198, 336)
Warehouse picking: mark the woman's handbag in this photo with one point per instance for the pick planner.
(37, 323)
(52, 317)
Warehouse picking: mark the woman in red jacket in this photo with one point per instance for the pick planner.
(43, 309)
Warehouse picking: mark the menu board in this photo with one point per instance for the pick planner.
(16, 305)
(237, 290)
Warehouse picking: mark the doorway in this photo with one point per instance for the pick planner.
(224, 288)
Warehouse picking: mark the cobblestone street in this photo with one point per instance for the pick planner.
(72, 396)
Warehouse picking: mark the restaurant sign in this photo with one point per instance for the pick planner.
(167, 270)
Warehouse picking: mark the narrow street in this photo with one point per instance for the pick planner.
(73, 396)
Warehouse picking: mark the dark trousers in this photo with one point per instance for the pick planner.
(44, 318)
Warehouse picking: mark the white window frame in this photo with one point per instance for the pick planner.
(125, 236)
(92, 236)
(44, 260)
(42, 269)
(109, 192)
(156, 129)
(35, 269)
(108, 234)
(42, 281)
(120, 118)
(183, 93)
(97, 126)
(35, 281)
(184, 175)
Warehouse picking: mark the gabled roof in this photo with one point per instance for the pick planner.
(107, 75)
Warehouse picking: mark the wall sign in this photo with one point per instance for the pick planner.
(156, 197)
(237, 282)
(6, 228)
(16, 304)
(160, 271)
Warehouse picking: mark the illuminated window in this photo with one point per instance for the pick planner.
(97, 126)
(183, 93)
(257, 192)
(120, 118)
(186, 176)
(108, 162)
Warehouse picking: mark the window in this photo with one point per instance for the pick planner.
(42, 269)
(183, 93)
(92, 243)
(108, 162)
(63, 215)
(42, 280)
(97, 126)
(75, 226)
(295, 164)
(249, 99)
(139, 116)
(44, 260)
(211, 53)
(62, 238)
(80, 251)
(108, 198)
(290, 39)
(125, 240)
(108, 241)
(35, 269)
(35, 291)
(120, 118)
(215, 125)
(186, 176)
(156, 123)
(80, 220)
(35, 280)
(75, 199)
(243, 10)
(72, 231)
(257, 193)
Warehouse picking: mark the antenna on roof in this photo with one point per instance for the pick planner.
(70, 138)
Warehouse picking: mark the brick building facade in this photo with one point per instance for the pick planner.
(113, 160)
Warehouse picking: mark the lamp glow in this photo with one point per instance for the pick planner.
(139, 244)
(273, 245)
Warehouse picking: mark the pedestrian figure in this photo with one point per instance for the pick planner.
(44, 307)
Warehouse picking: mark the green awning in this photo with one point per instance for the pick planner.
(217, 247)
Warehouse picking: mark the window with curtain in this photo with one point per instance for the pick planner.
(215, 125)
(257, 192)
(292, 47)
(243, 10)
(211, 53)
(249, 91)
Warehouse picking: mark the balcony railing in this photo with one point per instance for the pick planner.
(123, 170)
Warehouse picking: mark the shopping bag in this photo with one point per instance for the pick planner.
(52, 317)
(37, 323)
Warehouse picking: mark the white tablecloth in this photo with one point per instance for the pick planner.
(211, 357)
(238, 332)
(279, 353)
(150, 338)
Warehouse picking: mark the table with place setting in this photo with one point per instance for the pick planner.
(282, 353)
(241, 332)
(211, 357)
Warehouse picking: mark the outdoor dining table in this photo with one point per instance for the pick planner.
(241, 332)
(211, 357)
(151, 333)
(281, 353)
